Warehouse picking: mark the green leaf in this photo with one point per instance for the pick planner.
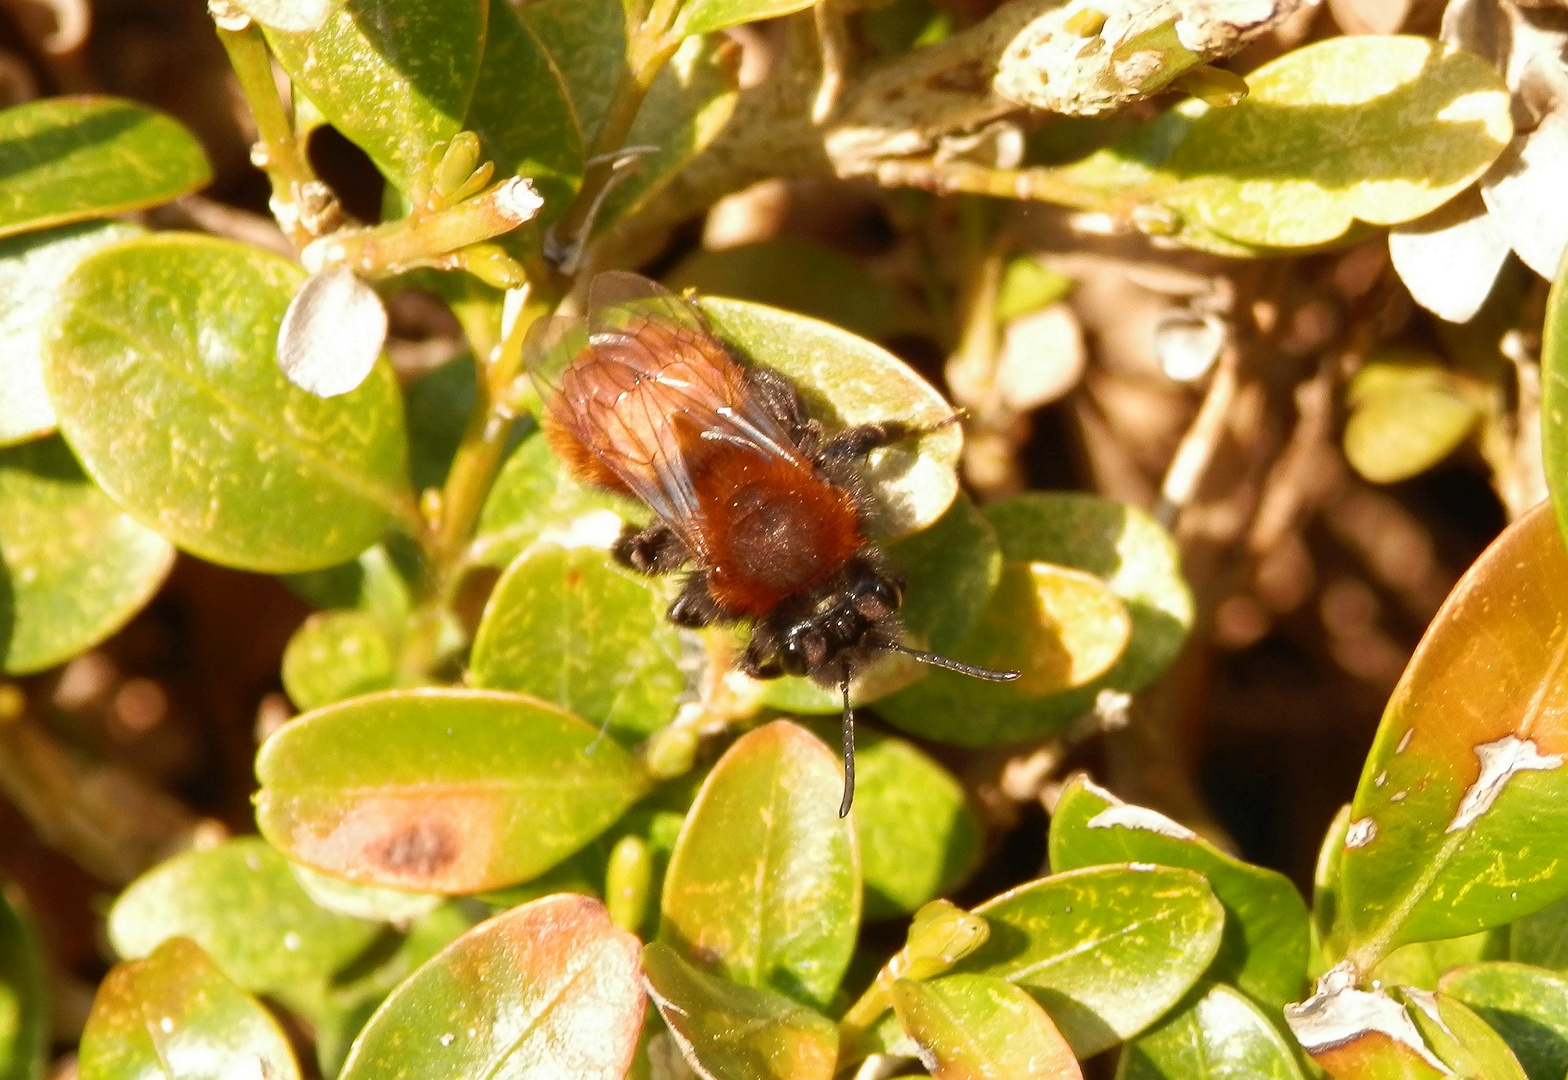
(1120, 545)
(586, 42)
(1421, 964)
(336, 655)
(31, 270)
(1408, 412)
(1526, 1006)
(1542, 938)
(1461, 815)
(1027, 287)
(540, 140)
(73, 568)
(737, 1032)
(978, 1026)
(174, 1015)
(1264, 947)
(438, 404)
(950, 572)
(918, 837)
(550, 988)
(240, 903)
(763, 887)
(71, 158)
(802, 276)
(440, 790)
(1461, 1038)
(1554, 396)
(1106, 950)
(160, 365)
(374, 583)
(1411, 123)
(364, 901)
(1220, 1035)
(395, 76)
(24, 995)
(706, 16)
(569, 626)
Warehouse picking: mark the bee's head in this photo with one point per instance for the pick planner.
(832, 630)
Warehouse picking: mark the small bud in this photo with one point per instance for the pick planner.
(940, 936)
(491, 265)
(431, 505)
(671, 751)
(457, 164)
(627, 882)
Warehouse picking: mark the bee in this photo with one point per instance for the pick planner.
(764, 509)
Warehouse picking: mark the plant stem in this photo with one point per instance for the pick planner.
(303, 205)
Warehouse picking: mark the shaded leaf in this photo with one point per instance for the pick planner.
(24, 1001)
(586, 42)
(438, 404)
(1120, 545)
(160, 365)
(1408, 412)
(395, 76)
(550, 988)
(174, 1015)
(69, 158)
(976, 1026)
(1218, 1035)
(1412, 122)
(31, 270)
(1461, 1038)
(374, 583)
(1264, 947)
(1541, 938)
(763, 887)
(1106, 950)
(337, 655)
(731, 1032)
(73, 567)
(1421, 964)
(1462, 808)
(1526, 1006)
(240, 903)
(570, 626)
(440, 790)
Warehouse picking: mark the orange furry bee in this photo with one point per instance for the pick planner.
(764, 508)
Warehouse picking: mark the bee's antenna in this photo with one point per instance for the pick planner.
(849, 748)
(988, 674)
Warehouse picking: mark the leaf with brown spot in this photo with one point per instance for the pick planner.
(551, 988)
(450, 791)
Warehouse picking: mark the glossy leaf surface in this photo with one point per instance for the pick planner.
(977, 1026)
(160, 366)
(1218, 1035)
(1412, 123)
(568, 625)
(241, 904)
(1462, 808)
(763, 886)
(1264, 948)
(73, 567)
(31, 270)
(1465, 1043)
(395, 76)
(174, 1015)
(69, 158)
(550, 988)
(440, 790)
(24, 1000)
(731, 1032)
(1528, 1007)
(1554, 397)
(1121, 546)
(1106, 950)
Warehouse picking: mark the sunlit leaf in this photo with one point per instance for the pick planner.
(240, 903)
(337, 655)
(364, 901)
(73, 567)
(1528, 1007)
(375, 583)
(569, 626)
(1219, 1035)
(440, 790)
(547, 989)
(1106, 950)
(174, 1015)
(1119, 545)
(706, 16)
(1408, 412)
(24, 1000)
(1462, 809)
(395, 76)
(69, 158)
(978, 1026)
(1264, 947)
(31, 270)
(1449, 259)
(1554, 397)
(731, 1032)
(1421, 964)
(160, 366)
(1461, 1038)
(763, 887)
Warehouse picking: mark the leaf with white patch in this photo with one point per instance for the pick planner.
(1461, 817)
(1354, 1034)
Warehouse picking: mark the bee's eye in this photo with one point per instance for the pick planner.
(877, 598)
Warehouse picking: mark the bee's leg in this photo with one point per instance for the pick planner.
(781, 400)
(694, 607)
(654, 550)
